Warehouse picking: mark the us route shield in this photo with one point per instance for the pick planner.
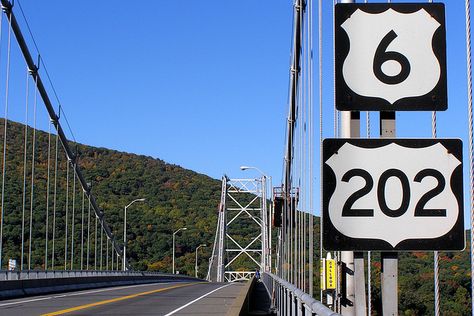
(390, 57)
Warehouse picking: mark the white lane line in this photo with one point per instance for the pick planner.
(80, 293)
(194, 301)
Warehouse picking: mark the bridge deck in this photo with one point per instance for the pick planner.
(177, 298)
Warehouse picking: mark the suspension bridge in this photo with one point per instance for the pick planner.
(379, 194)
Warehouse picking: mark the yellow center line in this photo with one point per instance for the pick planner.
(72, 309)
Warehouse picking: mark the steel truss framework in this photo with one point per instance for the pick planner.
(243, 201)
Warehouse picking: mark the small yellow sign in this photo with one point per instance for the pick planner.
(330, 283)
(322, 268)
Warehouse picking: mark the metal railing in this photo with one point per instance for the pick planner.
(6, 275)
(287, 299)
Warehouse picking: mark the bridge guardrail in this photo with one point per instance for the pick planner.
(7, 275)
(289, 300)
(25, 283)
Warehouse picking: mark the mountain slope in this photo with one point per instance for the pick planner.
(175, 197)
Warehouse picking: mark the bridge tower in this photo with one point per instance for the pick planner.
(242, 243)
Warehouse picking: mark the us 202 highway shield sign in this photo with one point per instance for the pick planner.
(392, 194)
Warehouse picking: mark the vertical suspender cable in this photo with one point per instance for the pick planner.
(1, 210)
(112, 243)
(55, 187)
(298, 167)
(67, 211)
(33, 157)
(304, 208)
(107, 253)
(471, 147)
(320, 65)
(95, 244)
(336, 112)
(25, 162)
(311, 148)
(305, 147)
(88, 233)
(369, 254)
(82, 231)
(101, 243)
(111, 255)
(47, 199)
(435, 254)
(4, 162)
(73, 213)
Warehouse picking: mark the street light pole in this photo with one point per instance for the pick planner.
(174, 234)
(125, 232)
(196, 262)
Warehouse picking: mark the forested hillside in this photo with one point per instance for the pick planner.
(175, 198)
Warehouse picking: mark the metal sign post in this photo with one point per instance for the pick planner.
(350, 125)
(389, 273)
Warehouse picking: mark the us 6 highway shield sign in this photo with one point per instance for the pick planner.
(392, 194)
(390, 57)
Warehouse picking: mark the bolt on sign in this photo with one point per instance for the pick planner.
(390, 57)
(393, 194)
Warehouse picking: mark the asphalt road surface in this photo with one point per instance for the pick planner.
(177, 298)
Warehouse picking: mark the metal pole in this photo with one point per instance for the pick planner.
(124, 238)
(389, 259)
(369, 285)
(173, 250)
(125, 232)
(196, 262)
(355, 289)
(182, 228)
(350, 127)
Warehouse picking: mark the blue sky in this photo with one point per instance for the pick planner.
(201, 84)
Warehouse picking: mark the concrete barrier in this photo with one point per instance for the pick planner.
(27, 287)
(241, 302)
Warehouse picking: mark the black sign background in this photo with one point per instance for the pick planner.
(334, 240)
(348, 100)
